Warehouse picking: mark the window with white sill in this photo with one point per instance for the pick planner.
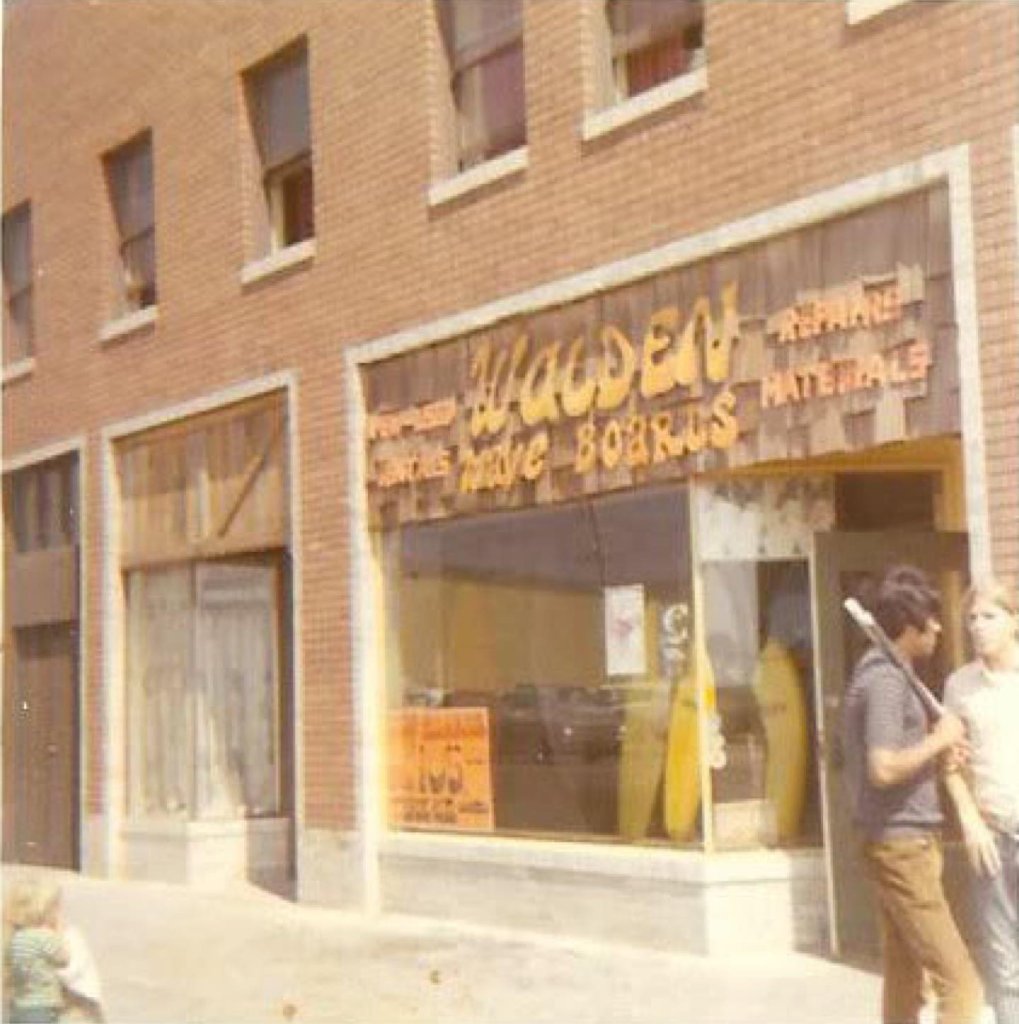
(651, 42)
(129, 178)
(278, 104)
(484, 49)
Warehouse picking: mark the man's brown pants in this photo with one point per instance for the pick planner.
(919, 934)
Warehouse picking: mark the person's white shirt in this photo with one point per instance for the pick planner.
(988, 703)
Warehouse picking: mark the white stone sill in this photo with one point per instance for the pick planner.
(19, 370)
(128, 324)
(623, 861)
(862, 10)
(603, 122)
(491, 171)
(277, 262)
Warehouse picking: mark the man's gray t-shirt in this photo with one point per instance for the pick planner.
(882, 711)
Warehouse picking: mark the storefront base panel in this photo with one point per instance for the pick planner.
(732, 903)
(210, 854)
(330, 869)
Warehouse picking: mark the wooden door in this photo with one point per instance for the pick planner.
(41, 747)
(842, 563)
(40, 701)
(238, 718)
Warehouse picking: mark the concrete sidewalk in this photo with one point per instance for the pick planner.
(175, 954)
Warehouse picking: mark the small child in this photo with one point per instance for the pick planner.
(34, 950)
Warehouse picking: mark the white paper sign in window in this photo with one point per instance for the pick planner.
(625, 653)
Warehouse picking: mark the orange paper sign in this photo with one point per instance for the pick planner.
(440, 774)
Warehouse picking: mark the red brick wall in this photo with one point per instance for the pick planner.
(798, 102)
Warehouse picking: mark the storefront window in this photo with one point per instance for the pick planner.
(538, 672)
(753, 550)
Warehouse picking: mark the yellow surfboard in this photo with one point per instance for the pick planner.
(682, 766)
(642, 759)
(779, 693)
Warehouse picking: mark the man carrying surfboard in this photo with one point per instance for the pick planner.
(893, 749)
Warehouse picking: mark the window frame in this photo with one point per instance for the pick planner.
(470, 56)
(133, 296)
(623, 44)
(17, 290)
(858, 11)
(275, 174)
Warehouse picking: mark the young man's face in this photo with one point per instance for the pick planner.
(992, 628)
(920, 644)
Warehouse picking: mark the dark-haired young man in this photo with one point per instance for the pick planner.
(892, 759)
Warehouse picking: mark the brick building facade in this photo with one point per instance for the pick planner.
(207, 285)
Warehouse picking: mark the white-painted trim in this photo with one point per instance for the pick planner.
(44, 454)
(1015, 198)
(491, 171)
(964, 280)
(114, 729)
(85, 752)
(196, 406)
(602, 122)
(297, 614)
(77, 446)
(366, 641)
(114, 330)
(18, 370)
(277, 262)
(113, 605)
(863, 10)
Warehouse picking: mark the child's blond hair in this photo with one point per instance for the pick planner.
(30, 903)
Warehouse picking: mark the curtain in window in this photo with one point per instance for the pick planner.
(281, 105)
(655, 40)
(485, 41)
(131, 173)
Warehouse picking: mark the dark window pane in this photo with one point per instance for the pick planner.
(139, 256)
(17, 249)
(298, 206)
(19, 329)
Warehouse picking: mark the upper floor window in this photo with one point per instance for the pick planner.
(17, 265)
(484, 43)
(277, 93)
(129, 177)
(653, 41)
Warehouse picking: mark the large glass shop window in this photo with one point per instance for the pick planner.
(539, 672)
(754, 541)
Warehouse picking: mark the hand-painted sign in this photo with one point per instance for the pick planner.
(837, 338)
(440, 773)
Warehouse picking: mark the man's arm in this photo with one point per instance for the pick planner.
(981, 849)
(889, 767)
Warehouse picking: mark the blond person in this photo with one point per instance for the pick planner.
(985, 695)
(34, 952)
